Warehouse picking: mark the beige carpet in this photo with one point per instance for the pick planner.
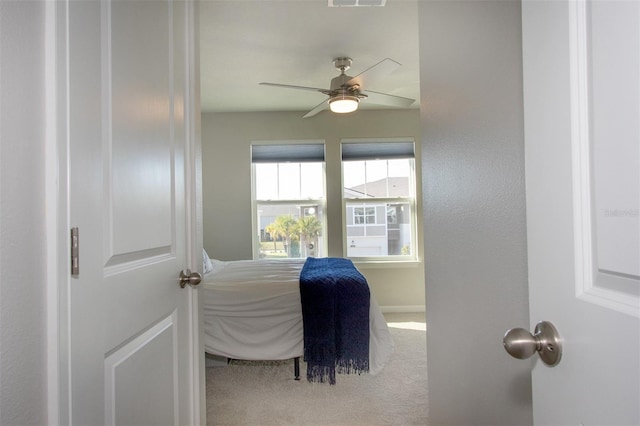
(254, 394)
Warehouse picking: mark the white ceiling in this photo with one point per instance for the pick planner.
(245, 42)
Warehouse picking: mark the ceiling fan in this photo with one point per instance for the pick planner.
(346, 92)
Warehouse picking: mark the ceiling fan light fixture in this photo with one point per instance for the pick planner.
(343, 104)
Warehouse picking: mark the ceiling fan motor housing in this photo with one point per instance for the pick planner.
(339, 83)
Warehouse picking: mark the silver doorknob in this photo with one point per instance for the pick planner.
(188, 277)
(545, 340)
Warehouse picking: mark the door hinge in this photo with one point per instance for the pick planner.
(75, 251)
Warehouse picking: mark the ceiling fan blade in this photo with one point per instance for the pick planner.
(390, 100)
(289, 86)
(320, 107)
(372, 74)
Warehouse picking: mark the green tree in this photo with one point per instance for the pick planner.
(272, 231)
(309, 228)
(283, 226)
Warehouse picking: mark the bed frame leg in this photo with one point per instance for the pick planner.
(296, 367)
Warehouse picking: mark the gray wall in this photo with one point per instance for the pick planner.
(23, 279)
(226, 164)
(474, 216)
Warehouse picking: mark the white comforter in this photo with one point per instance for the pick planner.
(252, 311)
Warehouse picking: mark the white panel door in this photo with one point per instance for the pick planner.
(130, 336)
(582, 137)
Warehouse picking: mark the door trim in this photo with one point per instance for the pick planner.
(56, 190)
(193, 210)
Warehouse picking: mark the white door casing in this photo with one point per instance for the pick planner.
(582, 145)
(127, 347)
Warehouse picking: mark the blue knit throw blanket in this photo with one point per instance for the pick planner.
(335, 312)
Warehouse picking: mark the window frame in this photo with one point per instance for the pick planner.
(302, 203)
(410, 200)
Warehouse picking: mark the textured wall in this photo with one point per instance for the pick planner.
(474, 215)
(22, 215)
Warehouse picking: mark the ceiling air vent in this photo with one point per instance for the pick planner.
(356, 3)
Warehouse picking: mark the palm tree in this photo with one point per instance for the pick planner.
(309, 228)
(283, 226)
(271, 230)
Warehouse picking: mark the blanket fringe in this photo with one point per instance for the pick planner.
(321, 374)
(327, 373)
(352, 366)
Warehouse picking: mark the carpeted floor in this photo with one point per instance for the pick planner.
(252, 394)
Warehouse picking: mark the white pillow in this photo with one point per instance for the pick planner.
(207, 266)
(218, 265)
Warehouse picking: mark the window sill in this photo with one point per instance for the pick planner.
(386, 264)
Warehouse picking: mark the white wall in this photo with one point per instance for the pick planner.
(226, 159)
(474, 216)
(23, 352)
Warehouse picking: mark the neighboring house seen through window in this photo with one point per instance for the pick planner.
(379, 200)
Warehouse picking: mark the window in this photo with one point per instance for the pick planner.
(289, 200)
(379, 200)
(364, 215)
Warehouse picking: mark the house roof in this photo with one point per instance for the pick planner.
(397, 187)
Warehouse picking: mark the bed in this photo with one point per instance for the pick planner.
(252, 311)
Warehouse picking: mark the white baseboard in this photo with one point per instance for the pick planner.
(402, 309)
